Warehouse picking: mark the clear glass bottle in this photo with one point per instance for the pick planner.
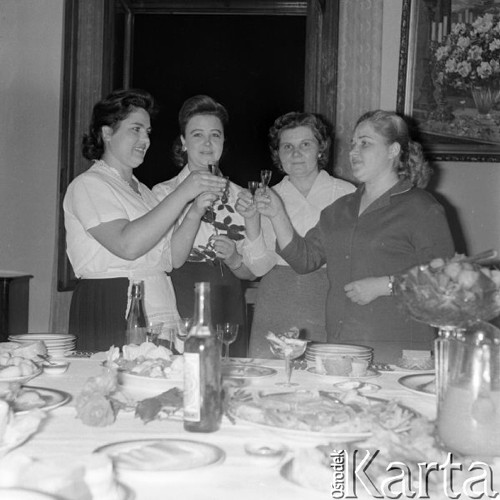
(136, 332)
(202, 369)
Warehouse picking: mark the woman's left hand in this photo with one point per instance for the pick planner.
(363, 291)
(224, 247)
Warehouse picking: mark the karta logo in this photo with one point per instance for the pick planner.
(351, 475)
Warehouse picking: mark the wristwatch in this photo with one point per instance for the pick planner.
(390, 284)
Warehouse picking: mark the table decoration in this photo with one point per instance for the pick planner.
(288, 347)
(449, 294)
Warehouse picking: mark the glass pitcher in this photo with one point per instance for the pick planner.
(469, 411)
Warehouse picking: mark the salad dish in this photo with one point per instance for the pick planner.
(347, 416)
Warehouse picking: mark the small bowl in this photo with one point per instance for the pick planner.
(266, 453)
(57, 367)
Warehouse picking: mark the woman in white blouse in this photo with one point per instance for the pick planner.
(299, 144)
(117, 231)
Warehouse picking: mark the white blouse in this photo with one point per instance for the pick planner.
(304, 212)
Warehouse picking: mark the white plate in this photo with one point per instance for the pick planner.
(158, 456)
(414, 382)
(53, 399)
(22, 379)
(369, 374)
(41, 336)
(244, 371)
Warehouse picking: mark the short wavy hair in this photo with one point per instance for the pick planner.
(110, 111)
(295, 119)
(410, 163)
(196, 105)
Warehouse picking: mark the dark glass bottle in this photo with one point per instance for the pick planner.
(202, 369)
(136, 318)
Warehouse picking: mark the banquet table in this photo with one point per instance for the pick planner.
(64, 437)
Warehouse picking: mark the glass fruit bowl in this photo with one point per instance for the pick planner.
(452, 292)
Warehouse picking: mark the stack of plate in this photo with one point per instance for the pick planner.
(57, 343)
(335, 351)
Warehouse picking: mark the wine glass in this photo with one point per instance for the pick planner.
(183, 328)
(252, 187)
(227, 333)
(265, 177)
(292, 350)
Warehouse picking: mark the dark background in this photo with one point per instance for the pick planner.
(253, 65)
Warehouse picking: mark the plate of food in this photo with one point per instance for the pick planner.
(308, 414)
(158, 456)
(421, 383)
(28, 398)
(246, 370)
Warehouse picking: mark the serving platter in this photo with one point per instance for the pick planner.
(316, 415)
(155, 457)
(417, 383)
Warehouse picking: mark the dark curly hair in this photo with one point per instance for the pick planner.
(196, 105)
(295, 119)
(110, 111)
(410, 163)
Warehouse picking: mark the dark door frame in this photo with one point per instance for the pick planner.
(88, 68)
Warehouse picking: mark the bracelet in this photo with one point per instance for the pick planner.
(390, 285)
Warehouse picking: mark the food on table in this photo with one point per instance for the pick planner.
(450, 292)
(15, 429)
(316, 411)
(35, 350)
(13, 366)
(416, 360)
(146, 360)
(90, 478)
(286, 344)
(344, 366)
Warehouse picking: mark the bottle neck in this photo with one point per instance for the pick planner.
(202, 309)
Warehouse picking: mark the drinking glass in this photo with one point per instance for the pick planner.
(227, 333)
(153, 331)
(289, 353)
(265, 177)
(253, 186)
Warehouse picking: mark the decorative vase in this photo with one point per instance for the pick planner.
(484, 99)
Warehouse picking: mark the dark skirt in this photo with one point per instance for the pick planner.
(226, 293)
(97, 313)
(286, 299)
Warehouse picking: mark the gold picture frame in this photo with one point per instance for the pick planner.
(448, 120)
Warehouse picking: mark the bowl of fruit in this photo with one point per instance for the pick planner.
(450, 292)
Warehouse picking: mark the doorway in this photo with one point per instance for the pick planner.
(253, 65)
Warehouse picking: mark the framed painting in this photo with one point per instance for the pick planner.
(449, 77)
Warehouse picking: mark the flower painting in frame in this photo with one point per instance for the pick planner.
(449, 77)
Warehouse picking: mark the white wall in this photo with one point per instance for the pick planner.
(30, 88)
(473, 189)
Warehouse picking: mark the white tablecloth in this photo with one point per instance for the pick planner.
(63, 436)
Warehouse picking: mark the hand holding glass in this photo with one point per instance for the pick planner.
(252, 187)
(293, 350)
(227, 333)
(265, 177)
